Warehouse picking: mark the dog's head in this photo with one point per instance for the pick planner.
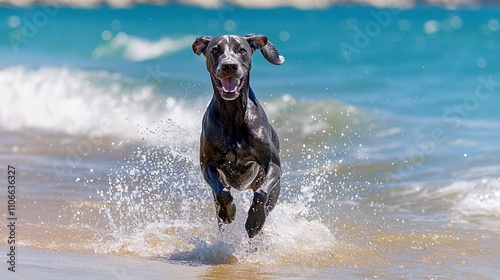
(229, 59)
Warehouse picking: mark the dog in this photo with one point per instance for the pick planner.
(238, 146)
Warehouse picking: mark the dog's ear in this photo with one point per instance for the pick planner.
(200, 45)
(267, 49)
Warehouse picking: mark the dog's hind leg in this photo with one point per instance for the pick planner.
(226, 210)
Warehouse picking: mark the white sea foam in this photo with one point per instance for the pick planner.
(288, 235)
(469, 202)
(476, 198)
(76, 102)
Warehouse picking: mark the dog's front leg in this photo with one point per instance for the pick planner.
(225, 207)
(264, 200)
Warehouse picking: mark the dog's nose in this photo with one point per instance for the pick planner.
(229, 66)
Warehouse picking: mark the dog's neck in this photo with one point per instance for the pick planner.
(233, 111)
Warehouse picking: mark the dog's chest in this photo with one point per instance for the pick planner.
(238, 170)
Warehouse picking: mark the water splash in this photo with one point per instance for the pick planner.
(157, 205)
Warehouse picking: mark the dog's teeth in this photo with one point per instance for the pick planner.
(226, 90)
(229, 84)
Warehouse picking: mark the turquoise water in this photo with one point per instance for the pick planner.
(388, 121)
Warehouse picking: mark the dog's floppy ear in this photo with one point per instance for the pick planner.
(267, 49)
(200, 45)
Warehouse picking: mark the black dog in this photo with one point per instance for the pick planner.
(239, 148)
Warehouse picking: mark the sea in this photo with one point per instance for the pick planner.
(388, 118)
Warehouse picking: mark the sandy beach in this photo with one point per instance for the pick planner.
(45, 264)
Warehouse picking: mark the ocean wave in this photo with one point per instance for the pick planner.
(467, 202)
(76, 102)
(314, 125)
(476, 198)
(134, 48)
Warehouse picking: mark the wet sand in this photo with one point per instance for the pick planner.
(45, 264)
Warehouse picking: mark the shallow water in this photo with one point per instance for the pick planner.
(389, 155)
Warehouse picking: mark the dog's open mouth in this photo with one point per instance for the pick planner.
(229, 87)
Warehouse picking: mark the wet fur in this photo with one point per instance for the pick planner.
(238, 146)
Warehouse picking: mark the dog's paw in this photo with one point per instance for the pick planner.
(256, 215)
(226, 207)
(227, 213)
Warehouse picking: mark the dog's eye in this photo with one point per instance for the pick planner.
(242, 51)
(214, 50)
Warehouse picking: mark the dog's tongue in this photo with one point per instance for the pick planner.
(229, 84)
